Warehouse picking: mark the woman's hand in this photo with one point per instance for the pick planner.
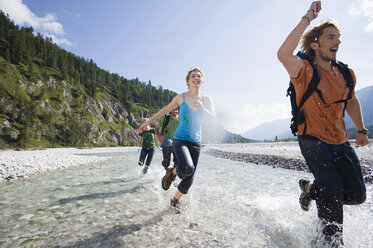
(198, 104)
(206, 105)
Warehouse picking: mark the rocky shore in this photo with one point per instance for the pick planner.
(283, 155)
(20, 164)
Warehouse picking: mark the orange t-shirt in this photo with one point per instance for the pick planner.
(323, 121)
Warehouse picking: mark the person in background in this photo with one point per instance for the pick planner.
(323, 137)
(164, 131)
(147, 143)
(194, 107)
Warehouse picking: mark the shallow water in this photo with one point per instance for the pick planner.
(231, 204)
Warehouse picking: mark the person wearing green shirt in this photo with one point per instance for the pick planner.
(147, 143)
(164, 132)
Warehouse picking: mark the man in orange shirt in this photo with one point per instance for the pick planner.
(323, 136)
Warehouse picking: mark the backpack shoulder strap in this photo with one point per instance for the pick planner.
(312, 86)
(346, 73)
(297, 112)
(165, 123)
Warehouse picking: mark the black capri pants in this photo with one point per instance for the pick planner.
(187, 154)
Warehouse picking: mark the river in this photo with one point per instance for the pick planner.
(112, 204)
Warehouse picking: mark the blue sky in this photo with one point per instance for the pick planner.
(233, 41)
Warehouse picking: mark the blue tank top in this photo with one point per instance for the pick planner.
(190, 123)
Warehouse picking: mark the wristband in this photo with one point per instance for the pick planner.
(308, 19)
(363, 131)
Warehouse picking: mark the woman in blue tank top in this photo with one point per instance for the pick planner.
(194, 107)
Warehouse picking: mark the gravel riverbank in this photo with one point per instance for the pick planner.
(285, 155)
(20, 164)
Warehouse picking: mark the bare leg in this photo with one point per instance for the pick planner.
(178, 195)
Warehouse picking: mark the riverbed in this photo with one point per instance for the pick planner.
(109, 202)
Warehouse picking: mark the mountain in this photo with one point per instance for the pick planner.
(49, 111)
(268, 130)
(52, 98)
(214, 132)
(281, 128)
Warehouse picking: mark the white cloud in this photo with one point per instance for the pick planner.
(354, 10)
(59, 41)
(53, 27)
(364, 9)
(250, 116)
(23, 16)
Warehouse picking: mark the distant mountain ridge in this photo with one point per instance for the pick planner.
(268, 130)
(214, 132)
(281, 128)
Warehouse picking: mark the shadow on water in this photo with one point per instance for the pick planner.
(114, 236)
(97, 195)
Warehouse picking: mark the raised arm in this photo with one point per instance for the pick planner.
(292, 63)
(172, 105)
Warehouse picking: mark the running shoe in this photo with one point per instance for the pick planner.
(304, 198)
(141, 163)
(145, 169)
(328, 235)
(175, 203)
(168, 179)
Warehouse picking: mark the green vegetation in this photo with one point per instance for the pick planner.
(52, 98)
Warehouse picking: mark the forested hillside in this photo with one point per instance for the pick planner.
(50, 97)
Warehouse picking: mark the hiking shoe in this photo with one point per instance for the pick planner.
(145, 169)
(304, 198)
(168, 179)
(175, 203)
